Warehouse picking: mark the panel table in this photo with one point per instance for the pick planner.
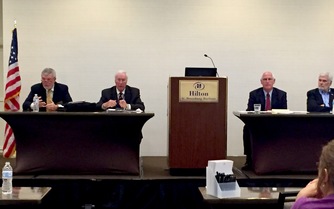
(77, 142)
(287, 142)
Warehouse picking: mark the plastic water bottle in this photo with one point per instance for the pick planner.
(7, 178)
(35, 106)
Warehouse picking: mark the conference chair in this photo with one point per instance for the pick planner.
(283, 201)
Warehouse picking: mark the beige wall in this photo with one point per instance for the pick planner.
(87, 41)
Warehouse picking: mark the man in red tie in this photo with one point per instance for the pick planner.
(270, 98)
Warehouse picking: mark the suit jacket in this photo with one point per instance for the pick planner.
(278, 99)
(61, 95)
(131, 96)
(314, 101)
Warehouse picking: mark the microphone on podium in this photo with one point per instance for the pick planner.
(205, 55)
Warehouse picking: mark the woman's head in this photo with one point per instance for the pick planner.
(326, 169)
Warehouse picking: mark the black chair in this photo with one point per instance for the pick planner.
(283, 195)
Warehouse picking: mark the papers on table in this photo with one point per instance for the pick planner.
(123, 110)
(281, 111)
(276, 111)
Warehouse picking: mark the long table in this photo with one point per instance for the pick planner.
(287, 142)
(77, 142)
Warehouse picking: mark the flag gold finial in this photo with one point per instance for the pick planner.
(14, 23)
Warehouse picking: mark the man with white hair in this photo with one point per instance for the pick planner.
(269, 97)
(321, 99)
(121, 96)
(52, 95)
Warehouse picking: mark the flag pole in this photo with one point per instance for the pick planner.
(12, 94)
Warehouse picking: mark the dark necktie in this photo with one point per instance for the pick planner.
(120, 97)
(268, 105)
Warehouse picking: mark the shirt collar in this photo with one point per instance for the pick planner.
(325, 92)
(265, 93)
(52, 89)
(120, 92)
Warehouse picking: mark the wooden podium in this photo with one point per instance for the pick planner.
(197, 123)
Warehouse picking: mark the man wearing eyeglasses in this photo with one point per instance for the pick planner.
(52, 95)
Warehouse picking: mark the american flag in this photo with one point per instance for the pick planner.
(12, 91)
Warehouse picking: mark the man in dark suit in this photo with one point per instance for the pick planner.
(278, 100)
(321, 98)
(121, 96)
(52, 95)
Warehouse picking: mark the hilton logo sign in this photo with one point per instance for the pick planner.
(198, 90)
